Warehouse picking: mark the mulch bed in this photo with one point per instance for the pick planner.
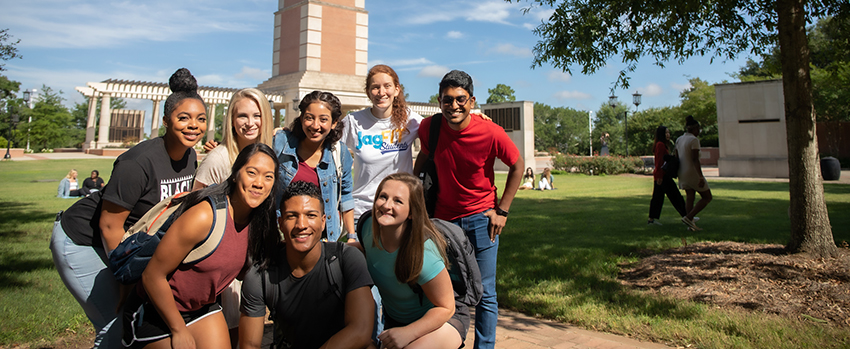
(757, 277)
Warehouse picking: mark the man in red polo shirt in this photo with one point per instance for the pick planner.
(465, 153)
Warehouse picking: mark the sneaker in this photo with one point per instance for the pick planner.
(654, 221)
(690, 223)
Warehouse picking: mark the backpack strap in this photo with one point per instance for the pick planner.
(206, 247)
(434, 134)
(336, 151)
(361, 224)
(333, 253)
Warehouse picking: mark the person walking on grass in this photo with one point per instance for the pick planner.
(691, 178)
(663, 182)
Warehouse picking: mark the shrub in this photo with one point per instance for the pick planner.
(598, 165)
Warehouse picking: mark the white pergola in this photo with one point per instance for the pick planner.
(156, 92)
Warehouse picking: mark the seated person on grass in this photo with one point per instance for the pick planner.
(308, 309)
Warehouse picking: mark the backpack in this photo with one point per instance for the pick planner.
(129, 260)
(428, 173)
(462, 265)
(271, 282)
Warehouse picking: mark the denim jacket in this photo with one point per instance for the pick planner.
(64, 190)
(285, 144)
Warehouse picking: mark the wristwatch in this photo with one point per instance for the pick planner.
(501, 212)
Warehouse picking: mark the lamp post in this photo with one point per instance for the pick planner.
(612, 101)
(27, 95)
(590, 130)
(13, 121)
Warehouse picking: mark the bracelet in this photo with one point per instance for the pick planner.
(501, 212)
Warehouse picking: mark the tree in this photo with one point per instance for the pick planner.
(501, 93)
(642, 126)
(7, 51)
(699, 100)
(589, 33)
(80, 116)
(51, 125)
(435, 99)
(830, 68)
(559, 128)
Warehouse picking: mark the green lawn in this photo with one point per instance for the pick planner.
(558, 258)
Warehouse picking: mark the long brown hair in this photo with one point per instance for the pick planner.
(417, 229)
(399, 113)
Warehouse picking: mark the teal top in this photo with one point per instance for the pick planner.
(399, 301)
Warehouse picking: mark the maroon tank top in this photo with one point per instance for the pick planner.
(198, 284)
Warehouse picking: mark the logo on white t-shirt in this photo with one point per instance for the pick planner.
(388, 141)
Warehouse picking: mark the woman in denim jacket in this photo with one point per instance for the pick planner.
(305, 152)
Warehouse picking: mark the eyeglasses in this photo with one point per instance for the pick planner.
(461, 100)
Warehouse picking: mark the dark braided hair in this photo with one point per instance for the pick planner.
(183, 85)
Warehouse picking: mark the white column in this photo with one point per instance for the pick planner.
(91, 123)
(211, 121)
(155, 119)
(105, 120)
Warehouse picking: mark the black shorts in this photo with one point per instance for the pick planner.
(460, 321)
(143, 325)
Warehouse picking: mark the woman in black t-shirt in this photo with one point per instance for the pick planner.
(141, 177)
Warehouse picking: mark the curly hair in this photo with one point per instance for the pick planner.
(399, 105)
(336, 114)
(183, 85)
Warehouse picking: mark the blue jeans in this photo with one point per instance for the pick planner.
(84, 272)
(476, 226)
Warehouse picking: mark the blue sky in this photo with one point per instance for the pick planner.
(229, 44)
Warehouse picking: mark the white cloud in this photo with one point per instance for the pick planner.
(402, 62)
(434, 71)
(651, 90)
(541, 14)
(454, 35)
(253, 73)
(529, 26)
(57, 24)
(680, 87)
(562, 95)
(555, 75)
(492, 11)
(510, 49)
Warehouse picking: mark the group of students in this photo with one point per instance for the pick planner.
(689, 172)
(286, 193)
(69, 187)
(546, 182)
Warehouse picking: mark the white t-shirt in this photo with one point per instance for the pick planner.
(378, 150)
(215, 168)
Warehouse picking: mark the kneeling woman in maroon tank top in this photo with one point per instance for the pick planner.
(175, 306)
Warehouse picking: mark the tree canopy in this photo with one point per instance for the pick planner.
(7, 48)
(501, 93)
(588, 34)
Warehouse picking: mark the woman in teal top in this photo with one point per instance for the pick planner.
(405, 251)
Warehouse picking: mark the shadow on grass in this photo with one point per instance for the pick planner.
(14, 214)
(16, 265)
(564, 253)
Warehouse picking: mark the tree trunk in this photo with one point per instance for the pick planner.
(810, 229)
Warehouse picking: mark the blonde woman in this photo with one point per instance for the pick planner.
(249, 118)
(68, 186)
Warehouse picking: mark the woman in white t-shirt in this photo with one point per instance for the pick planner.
(381, 137)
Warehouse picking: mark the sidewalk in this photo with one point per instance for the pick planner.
(519, 331)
